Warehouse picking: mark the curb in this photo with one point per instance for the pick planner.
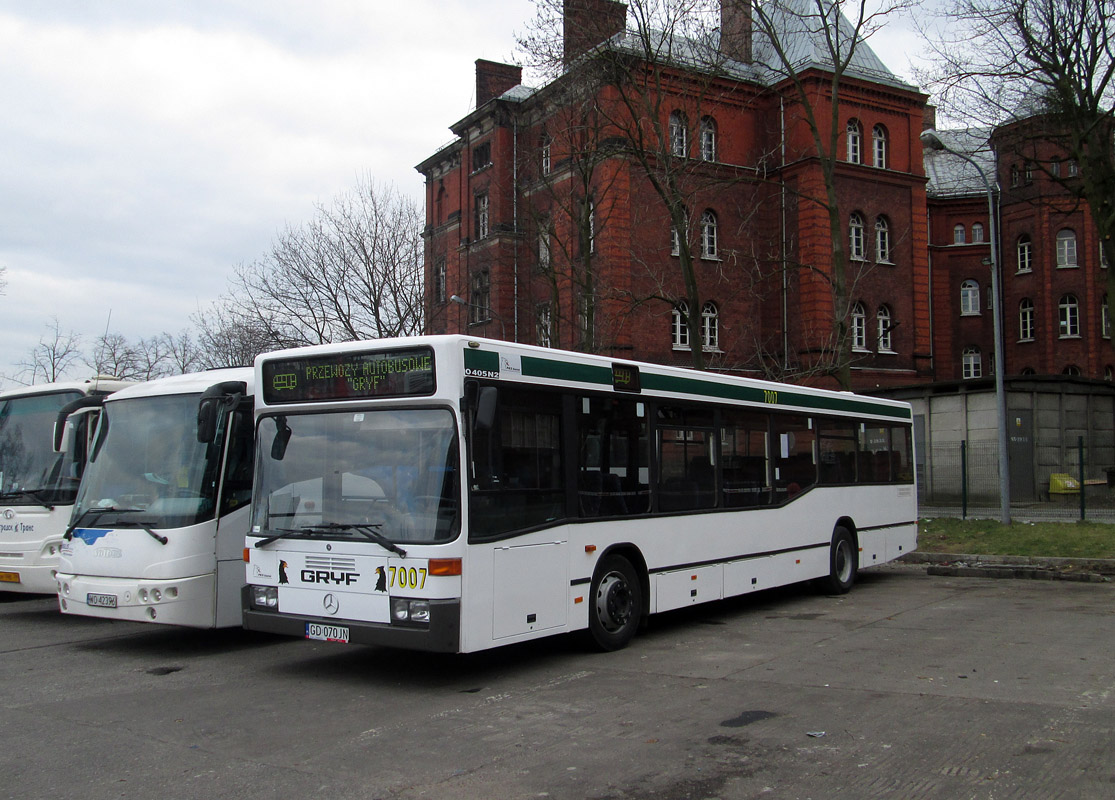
(953, 565)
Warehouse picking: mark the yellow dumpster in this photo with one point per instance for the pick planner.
(1062, 483)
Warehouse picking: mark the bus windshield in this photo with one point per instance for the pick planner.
(333, 475)
(146, 457)
(31, 473)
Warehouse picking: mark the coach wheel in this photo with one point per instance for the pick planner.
(843, 563)
(617, 603)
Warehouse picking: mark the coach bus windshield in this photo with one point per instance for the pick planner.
(336, 475)
(147, 468)
(31, 473)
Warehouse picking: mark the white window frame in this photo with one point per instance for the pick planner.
(884, 326)
(708, 139)
(679, 325)
(977, 232)
(854, 133)
(483, 218)
(1026, 316)
(969, 299)
(971, 363)
(1068, 317)
(882, 241)
(710, 327)
(859, 328)
(1025, 250)
(710, 243)
(959, 234)
(856, 237)
(879, 146)
(679, 135)
(1066, 249)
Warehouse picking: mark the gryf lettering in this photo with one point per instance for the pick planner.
(328, 576)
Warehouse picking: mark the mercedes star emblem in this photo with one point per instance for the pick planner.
(330, 603)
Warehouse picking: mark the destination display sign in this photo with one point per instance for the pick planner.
(349, 376)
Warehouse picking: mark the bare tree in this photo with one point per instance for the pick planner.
(182, 353)
(113, 355)
(1050, 65)
(55, 353)
(226, 338)
(353, 272)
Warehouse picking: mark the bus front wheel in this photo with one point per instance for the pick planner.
(617, 603)
(843, 563)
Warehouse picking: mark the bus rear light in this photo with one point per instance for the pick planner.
(445, 566)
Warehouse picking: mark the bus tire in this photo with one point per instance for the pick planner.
(616, 606)
(843, 563)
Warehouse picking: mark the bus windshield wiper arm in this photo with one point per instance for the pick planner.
(69, 534)
(34, 494)
(364, 529)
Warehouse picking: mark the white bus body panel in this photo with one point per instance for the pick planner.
(29, 547)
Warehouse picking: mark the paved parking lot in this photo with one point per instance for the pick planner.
(909, 687)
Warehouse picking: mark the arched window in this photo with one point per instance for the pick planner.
(958, 234)
(1025, 253)
(480, 298)
(855, 142)
(856, 245)
(1069, 316)
(884, 327)
(969, 298)
(1028, 371)
(1071, 369)
(1066, 248)
(544, 327)
(1109, 373)
(1014, 175)
(977, 232)
(882, 240)
(971, 364)
(679, 134)
(1026, 320)
(709, 243)
(675, 242)
(859, 327)
(879, 146)
(679, 325)
(708, 139)
(546, 146)
(710, 327)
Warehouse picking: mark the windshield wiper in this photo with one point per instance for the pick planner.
(369, 531)
(69, 534)
(34, 494)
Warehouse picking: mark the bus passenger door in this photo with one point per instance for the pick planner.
(530, 588)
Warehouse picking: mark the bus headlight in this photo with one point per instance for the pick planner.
(404, 610)
(266, 597)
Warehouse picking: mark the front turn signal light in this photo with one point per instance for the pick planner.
(445, 566)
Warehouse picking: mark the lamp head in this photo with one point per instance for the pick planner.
(931, 140)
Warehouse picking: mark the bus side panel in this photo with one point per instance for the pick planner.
(749, 575)
(901, 541)
(872, 548)
(686, 587)
(529, 589)
(230, 579)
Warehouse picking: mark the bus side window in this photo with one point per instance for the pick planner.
(613, 469)
(836, 447)
(794, 467)
(745, 459)
(239, 464)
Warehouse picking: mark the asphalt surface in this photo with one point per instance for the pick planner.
(911, 686)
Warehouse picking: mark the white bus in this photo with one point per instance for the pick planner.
(38, 484)
(455, 494)
(158, 529)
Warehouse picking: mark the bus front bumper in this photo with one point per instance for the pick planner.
(442, 635)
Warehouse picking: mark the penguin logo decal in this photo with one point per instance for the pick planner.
(282, 572)
(381, 579)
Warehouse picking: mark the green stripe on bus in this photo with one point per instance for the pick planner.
(553, 369)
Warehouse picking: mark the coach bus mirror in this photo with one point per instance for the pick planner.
(207, 419)
(63, 431)
(282, 437)
(486, 408)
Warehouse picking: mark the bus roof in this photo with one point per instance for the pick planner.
(190, 383)
(100, 384)
(545, 366)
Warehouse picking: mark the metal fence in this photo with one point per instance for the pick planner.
(1072, 479)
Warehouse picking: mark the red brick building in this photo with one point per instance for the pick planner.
(548, 223)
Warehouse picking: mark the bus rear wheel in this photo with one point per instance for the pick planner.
(843, 563)
(617, 603)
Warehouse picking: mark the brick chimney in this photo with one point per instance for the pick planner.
(735, 29)
(587, 23)
(493, 79)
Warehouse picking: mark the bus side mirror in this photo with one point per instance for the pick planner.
(486, 403)
(63, 435)
(207, 419)
(282, 437)
(63, 432)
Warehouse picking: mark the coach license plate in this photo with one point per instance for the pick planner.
(327, 633)
(9, 577)
(100, 600)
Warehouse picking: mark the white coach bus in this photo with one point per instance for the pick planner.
(456, 494)
(158, 529)
(37, 483)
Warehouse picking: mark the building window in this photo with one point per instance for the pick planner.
(969, 299)
(885, 325)
(977, 232)
(1105, 319)
(1026, 320)
(1103, 257)
(1028, 173)
(439, 279)
(1066, 248)
(879, 146)
(855, 142)
(589, 223)
(1055, 168)
(544, 247)
(1072, 168)
(856, 245)
(679, 135)
(679, 325)
(1014, 176)
(543, 327)
(709, 244)
(859, 327)
(1028, 371)
(675, 242)
(481, 156)
(971, 365)
(1109, 373)
(882, 240)
(547, 145)
(481, 215)
(958, 234)
(1072, 370)
(708, 139)
(1025, 254)
(480, 303)
(710, 327)
(1069, 315)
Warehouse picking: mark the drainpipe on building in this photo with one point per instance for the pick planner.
(785, 276)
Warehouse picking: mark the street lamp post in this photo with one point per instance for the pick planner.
(456, 298)
(932, 141)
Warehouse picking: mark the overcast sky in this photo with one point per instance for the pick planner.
(150, 146)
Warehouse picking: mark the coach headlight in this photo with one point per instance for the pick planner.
(266, 597)
(404, 610)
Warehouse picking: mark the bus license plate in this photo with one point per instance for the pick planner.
(327, 633)
(100, 600)
(9, 577)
